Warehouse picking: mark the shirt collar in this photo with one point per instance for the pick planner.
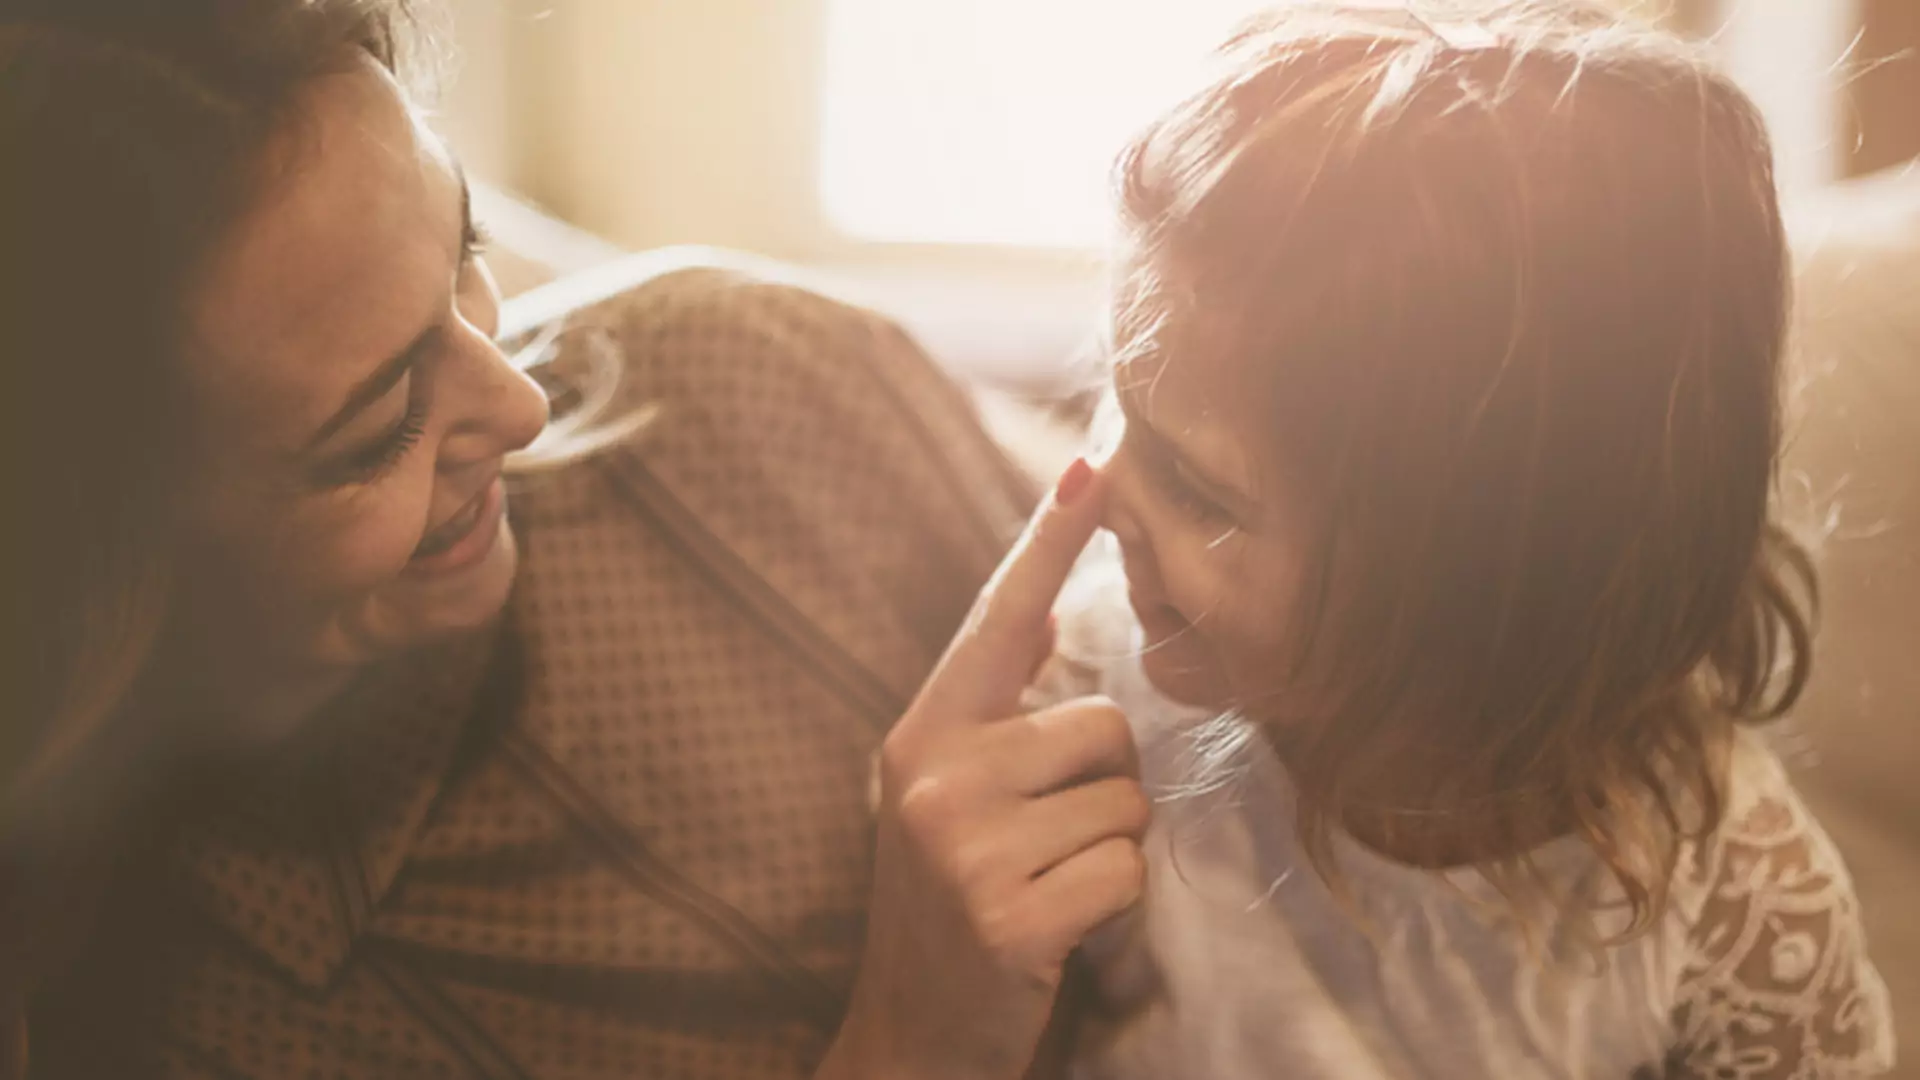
(295, 857)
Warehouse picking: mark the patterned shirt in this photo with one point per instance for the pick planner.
(625, 835)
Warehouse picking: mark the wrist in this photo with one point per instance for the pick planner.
(866, 1048)
(855, 1055)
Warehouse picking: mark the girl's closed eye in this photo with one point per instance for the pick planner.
(474, 241)
(1184, 490)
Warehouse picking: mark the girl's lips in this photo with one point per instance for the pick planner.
(464, 538)
(1156, 618)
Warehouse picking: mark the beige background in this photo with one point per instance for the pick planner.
(692, 121)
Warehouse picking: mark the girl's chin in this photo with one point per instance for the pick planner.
(1183, 678)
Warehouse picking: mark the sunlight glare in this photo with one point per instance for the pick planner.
(997, 121)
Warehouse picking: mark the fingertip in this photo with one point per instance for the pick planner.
(1074, 482)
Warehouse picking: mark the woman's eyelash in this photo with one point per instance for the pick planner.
(370, 463)
(375, 460)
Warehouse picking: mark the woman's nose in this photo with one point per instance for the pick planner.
(503, 408)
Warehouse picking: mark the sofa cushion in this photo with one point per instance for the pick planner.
(1853, 463)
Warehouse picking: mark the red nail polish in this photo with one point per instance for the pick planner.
(1073, 482)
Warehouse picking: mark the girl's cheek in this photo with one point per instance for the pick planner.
(1129, 517)
(1195, 576)
(1265, 603)
(1164, 554)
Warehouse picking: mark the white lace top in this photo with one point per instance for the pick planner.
(1241, 964)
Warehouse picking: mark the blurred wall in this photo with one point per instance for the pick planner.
(1883, 120)
(474, 112)
(672, 121)
(651, 121)
(1792, 56)
(656, 122)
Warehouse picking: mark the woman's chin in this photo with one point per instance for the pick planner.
(446, 605)
(477, 598)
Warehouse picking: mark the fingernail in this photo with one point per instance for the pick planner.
(1073, 482)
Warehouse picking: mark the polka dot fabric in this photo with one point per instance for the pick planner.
(629, 836)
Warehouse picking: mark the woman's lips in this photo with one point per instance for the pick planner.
(463, 538)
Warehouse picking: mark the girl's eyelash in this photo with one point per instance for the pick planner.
(1182, 492)
(1166, 474)
(475, 240)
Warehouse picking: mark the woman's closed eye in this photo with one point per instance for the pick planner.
(370, 462)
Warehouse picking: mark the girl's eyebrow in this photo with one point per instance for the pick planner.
(1211, 481)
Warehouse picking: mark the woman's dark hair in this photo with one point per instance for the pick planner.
(1518, 289)
(133, 134)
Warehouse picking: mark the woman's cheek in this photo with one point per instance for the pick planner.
(368, 539)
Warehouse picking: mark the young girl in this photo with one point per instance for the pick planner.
(1448, 363)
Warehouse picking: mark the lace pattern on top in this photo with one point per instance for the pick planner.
(1775, 983)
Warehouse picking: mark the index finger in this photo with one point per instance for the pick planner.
(988, 663)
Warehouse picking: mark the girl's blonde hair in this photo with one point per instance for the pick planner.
(1515, 280)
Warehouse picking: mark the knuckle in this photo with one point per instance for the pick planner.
(1110, 725)
(1120, 866)
(899, 757)
(1097, 720)
(992, 926)
(1007, 933)
(1135, 809)
(1130, 869)
(976, 865)
(1021, 732)
(927, 807)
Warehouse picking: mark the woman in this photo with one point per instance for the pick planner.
(326, 766)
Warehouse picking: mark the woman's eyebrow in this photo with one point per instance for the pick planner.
(388, 375)
(375, 386)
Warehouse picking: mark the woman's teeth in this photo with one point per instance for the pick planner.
(452, 530)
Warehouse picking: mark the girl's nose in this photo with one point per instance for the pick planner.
(1118, 517)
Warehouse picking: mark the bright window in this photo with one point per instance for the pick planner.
(997, 121)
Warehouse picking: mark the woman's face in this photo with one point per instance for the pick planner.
(1211, 537)
(352, 409)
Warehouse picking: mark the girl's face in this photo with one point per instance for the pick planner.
(1211, 535)
(352, 411)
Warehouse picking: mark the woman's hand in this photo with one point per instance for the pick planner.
(1004, 836)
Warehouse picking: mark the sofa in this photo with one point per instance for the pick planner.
(1852, 472)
